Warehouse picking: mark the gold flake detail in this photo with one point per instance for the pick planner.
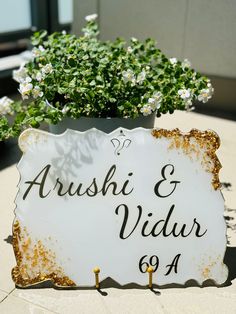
(31, 136)
(35, 263)
(206, 273)
(205, 145)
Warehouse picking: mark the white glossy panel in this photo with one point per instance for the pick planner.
(128, 191)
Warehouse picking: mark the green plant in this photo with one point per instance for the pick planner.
(74, 77)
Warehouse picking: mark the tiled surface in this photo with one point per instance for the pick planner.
(183, 300)
(133, 301)
(19, 306)
(3, 295)
(8, 182)
(198, 301)
(78, 301)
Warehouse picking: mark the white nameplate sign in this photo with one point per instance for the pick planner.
(121, 202)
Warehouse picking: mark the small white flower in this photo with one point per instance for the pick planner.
(63, 32)
(129, 49)
(28, 79)
(134, 40)
(39, 76)
(173, 60)
(189, 105)
(47, 69)
(155, 100)
(25, 89)
(65, 110)
(36, 52)
(186, 64)
(157, 96)
(128, 76)
(141, 77)
(211, 89)
(184, 93)
(20, 74)
(152, 103)
(205, 94)
(146, 110)
(36, 92)
(91, 17)
(5, 105)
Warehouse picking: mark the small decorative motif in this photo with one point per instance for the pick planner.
(120, 142)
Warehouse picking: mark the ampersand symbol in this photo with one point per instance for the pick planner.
(163, 173)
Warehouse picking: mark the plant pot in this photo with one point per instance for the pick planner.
(106, 125)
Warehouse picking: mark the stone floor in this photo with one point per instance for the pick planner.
(123, 301)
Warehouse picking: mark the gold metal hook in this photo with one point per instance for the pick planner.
(150, 272)
(96, 272)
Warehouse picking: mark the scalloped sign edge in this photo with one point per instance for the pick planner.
(37, 261)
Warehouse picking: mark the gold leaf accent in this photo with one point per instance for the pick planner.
(35, 263)
(205, 145)
(31, 136)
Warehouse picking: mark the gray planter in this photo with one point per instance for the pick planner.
(106, 125)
